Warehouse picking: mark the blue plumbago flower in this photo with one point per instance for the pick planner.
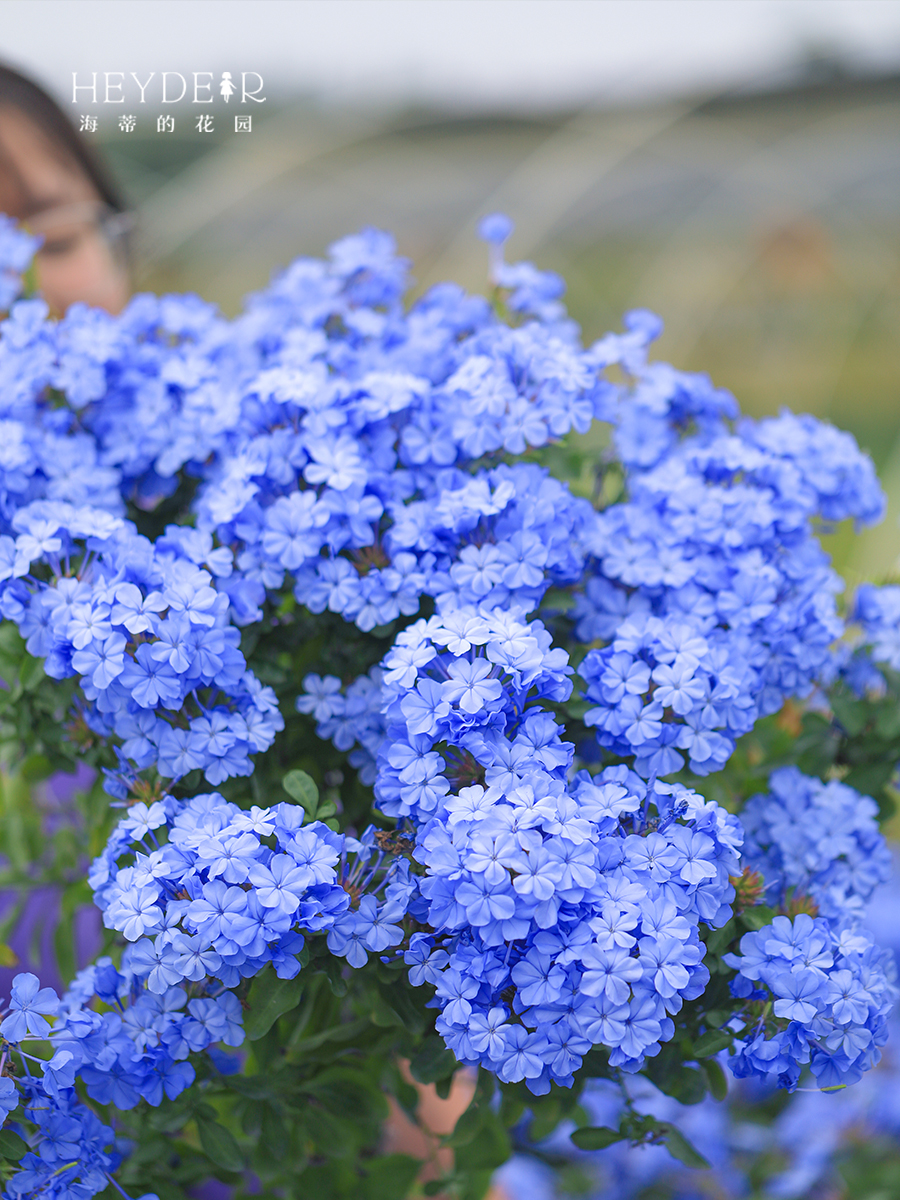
(814, 997)
(204, 902)
(31, 1005)
(817, 839)
(716, 542)
(205, 898)
(17, 248)
(351, 718)
(378, 462)
(146, 630)
(562, 914)
(136, 1051)
(353, 488)
(495, 228)
(877, 610)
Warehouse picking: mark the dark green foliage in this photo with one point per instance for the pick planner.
(871, 1170)
(302, 789)
(12, 1147)
(269, 999)
(596, 1137)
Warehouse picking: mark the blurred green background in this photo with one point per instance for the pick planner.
(764, 226)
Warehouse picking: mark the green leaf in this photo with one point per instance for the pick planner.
(679, 1147)
(219, 1144)
(887, 721)
(475, 1185)
(302, 789)
(35, 767)
(712, 1042)
(11, 1145)
(254, 1087)
(272, 1131)
(596, 1137)
(333, 1138)
(668, 1072)
(389, 1177)
(512, 1106)
(466, 1127)
(718, 939)
(8, 956)
(715, 1077)
(346, 1092)
(870, 778)
(333, 969)
(851, 713)
(686, 1084)
(31, 672)
(433, 1062)
(269, 999)
(345, 1032)
(488, 1149)
(756, 918)
(546, 1114)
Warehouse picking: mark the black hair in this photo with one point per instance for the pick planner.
(19, 92)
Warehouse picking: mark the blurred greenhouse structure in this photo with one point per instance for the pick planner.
(764, 226)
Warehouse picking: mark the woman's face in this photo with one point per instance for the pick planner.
(51, 195)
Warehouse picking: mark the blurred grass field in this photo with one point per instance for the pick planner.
(763, 227)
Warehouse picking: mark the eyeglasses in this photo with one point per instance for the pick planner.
(69, 228)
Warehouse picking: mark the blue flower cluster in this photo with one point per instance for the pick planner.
(877, 610)
(714, 594)
(818, 990)
(465, 679)
(146, 629)
(361, 456)
(815, 839)
(814, 996)
(349, 717)
(215, 901)
(366, 509)
(17, 248)
(561, 914)
(205, 894)
(44, 453)
(135, 1049)
(667, 685)
(872, 641)
(117, 388)
(328, 426)
(76, 1153)
(792, 1158)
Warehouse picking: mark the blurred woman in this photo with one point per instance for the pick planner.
(51, 181)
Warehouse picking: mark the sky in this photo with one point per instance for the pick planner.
(465, 54)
